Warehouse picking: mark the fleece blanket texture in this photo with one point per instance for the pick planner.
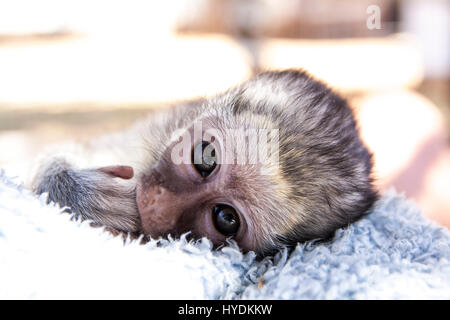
(393, 253)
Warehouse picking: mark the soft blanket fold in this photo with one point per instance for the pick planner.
(392, 253)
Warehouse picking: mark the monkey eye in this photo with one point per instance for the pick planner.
(204, 158)
(226, 220)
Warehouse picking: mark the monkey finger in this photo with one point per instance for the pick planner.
(124, 172)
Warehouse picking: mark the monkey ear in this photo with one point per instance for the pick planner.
(124, 172)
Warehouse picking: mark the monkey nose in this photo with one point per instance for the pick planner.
(123, 172)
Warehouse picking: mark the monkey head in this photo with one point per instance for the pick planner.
(214, 183)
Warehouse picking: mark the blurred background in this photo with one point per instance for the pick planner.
(73, 69)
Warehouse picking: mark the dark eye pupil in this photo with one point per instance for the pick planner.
(226, 220)
(204, 158)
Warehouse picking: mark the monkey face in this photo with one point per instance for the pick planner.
(199, 194)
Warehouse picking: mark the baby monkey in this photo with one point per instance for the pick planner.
(197, 167)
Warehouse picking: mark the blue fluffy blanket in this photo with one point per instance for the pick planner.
(394, 253)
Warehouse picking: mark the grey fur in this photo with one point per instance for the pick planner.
(90, 194)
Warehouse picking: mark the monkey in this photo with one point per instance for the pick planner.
(158, 178)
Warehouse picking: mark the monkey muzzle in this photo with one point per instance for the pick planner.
(162, 211)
